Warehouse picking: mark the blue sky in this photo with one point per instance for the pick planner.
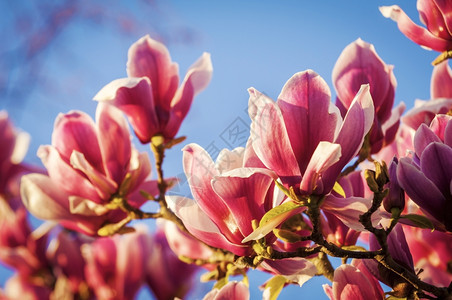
(253, 43)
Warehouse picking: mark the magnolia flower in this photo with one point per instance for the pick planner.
(149, 96)
(167, 276)
(426, 178)
(354, 282)
(231, 291)
(14, 146)
(431, 252)
(360, 64)
(227, 197)
(441, 98)
(88, 164)
(434, 14)
(115, 265)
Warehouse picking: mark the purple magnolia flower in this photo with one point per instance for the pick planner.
(427, 177)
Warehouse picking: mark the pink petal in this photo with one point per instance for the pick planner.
(232, 291)
(441, 82)
(356, 125)
(114, 141)
(150, 58)
(325, 155)
(200, 170)
(77, 131)
(197, 78)
(431, 15)
(351, 283)
(104, 186)
(244, 191)
(229, 160)
(139, 169)
(424, 136)
(201, 226)
(298, 270)
(309, 116)
(134, 97)
(270, 140)
(65, 176)
(426, 112)
(417, 34)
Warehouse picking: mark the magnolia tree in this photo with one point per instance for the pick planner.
(352, 179)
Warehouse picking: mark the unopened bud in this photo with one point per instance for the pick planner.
(396, 195)
(370, 179)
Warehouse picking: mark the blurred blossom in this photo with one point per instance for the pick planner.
(167, 276)
(426, 178)
(14, 146)
(232, 291)
(88, 164)
(17, 287)
(431, 252)
(434, 14)
(116, 266)
(354, 282)
(150, 96)
(360, 64)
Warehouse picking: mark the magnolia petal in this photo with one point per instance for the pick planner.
(200, 170)
(114, 141)
(134, 97)
(65, 176)
(436, 164)
(77, 131)
(350, 283)
(439, 125)
(309, 116)
(325, 155)
(78, 205)
(297, 270)
(232, 290)
(356, 125)
(421, 189)
(197, 78)
(139, 170)
(414, 32)
(271, 142)
(424, 136)
(441, 82)
(104, 186)
(201, 226)
(244, 191)
(150, 58)
(43, 198)
(426, 112)
(229, 160)
(349, 209)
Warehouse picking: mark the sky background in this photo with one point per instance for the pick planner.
(254, 43)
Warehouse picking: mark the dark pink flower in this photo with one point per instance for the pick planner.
(150, 95)
(167, 276)
(434, 14)
(88, 164)
(360, 64)
(354, 282)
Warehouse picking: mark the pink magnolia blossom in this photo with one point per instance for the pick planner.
(88, 164)
(431, 252)
(19, 247)
(14, 146)
(166, 275)
(150, 96)
(115, 266)
(441, 82)
(426, 178)
(227, 197)
(354, 282)
(434, 14)
(232, 291)
(360, 64)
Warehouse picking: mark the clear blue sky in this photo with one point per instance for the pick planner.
(254, 43)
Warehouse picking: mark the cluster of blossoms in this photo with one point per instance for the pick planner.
(354, 179)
